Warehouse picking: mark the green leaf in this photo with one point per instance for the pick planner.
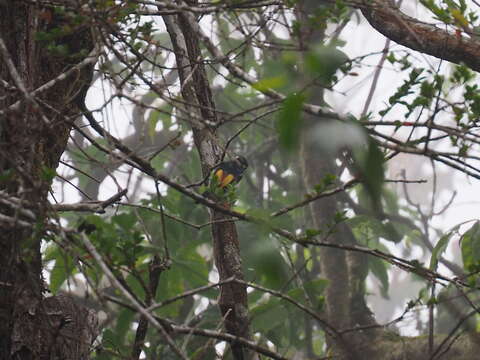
(324, 61)
(125, 220)
(391, 201)
(290, 121)
(470, 243)
(310, 233)
(314, 289)
(459, 17)
(110, 340)
(192, 266)
(152, 123)
(404, 90)
(62, 269)
(439, 248)
(124, 322)
(6, 175)
(392, 232)
(327, 181)
(379, 269)
(270, 83)
(42, 36)
(391, 58)
(47, 173)
(340, 216)
(268, 316)
(371, 165)
(269, 266)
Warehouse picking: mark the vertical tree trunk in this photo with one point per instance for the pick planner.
(33, 134)
(196, 90)
(315, 165)
(345, 306)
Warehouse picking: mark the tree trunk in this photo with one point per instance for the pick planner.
(345, 305)
(34, 132)
(196, 91)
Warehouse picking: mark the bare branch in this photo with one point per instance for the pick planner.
(387, 18)
(138, 307)
(91, 206)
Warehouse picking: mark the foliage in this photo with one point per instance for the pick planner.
(275, 77)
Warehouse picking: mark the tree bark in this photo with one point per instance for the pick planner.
(387, 19)
(33, 132)
(345, 305)
(196, 91)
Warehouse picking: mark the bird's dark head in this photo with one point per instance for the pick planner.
(240, 160)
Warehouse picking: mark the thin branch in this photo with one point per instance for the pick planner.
(452, 332)
(173, 9)
(138, 307)
(176, 218)
(376, 76)
(325, 325)
(93, 206)
(181, 329)
(189, 293)
(405, 181)
(17, 79)
(228, 337)
(89, 60)
(316, 196)
(79, 170)
(411, 266)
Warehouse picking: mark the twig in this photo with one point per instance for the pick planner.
(176, 218)
(155, 270)
(452, 332)
(188, 293)
(72, 185)
(17, 79)
(431, 320)
(310, 198)
(251, 122)
(228, 337)
(114, 281)
(169, 143)
(79, 170)
(407, 265)
(90, 59)
(405, 181)
(329, 329)
(376, 76)
(180, 329)
(94, 206)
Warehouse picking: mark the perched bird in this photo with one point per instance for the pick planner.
(230, 172)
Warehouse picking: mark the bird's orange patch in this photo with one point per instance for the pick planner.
(223, 178)
(219, 175)
(226, 180)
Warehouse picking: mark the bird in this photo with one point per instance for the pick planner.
(230, 172)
